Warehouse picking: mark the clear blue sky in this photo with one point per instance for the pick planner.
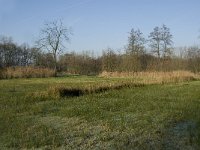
(98, 24)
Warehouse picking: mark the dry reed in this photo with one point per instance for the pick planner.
(26, 72)
(154, 77)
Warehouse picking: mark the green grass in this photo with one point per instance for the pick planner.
(148, 117)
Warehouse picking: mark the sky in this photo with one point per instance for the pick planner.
(99, 24)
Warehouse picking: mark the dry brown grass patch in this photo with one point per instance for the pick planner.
(65, 91)
(26, 72)
(154, 77)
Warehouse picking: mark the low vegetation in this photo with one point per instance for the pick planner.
(154, 77)
(26, 72)
(61, 91)
(151, 116)
(121, 80)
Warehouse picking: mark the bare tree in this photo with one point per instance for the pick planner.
(156, 39)
(161, 41)
(109, 60)
(134, 50)
(193, 57)
(167, 40)
(136, 42)
(53, 37)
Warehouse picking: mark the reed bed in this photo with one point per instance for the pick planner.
(26, 72)
(121, 80)
(154, 77)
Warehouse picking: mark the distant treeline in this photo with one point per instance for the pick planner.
(134, 58)
(188, 60)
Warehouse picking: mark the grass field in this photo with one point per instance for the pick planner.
(153, 116)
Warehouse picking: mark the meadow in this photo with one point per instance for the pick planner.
(138, 112)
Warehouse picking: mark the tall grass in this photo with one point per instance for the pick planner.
(155, 77)
(26, 72)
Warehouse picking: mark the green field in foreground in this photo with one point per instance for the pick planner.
(148, 117)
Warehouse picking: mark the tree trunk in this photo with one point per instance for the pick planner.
(55, 65)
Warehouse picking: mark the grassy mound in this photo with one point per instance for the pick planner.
(62, 90)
